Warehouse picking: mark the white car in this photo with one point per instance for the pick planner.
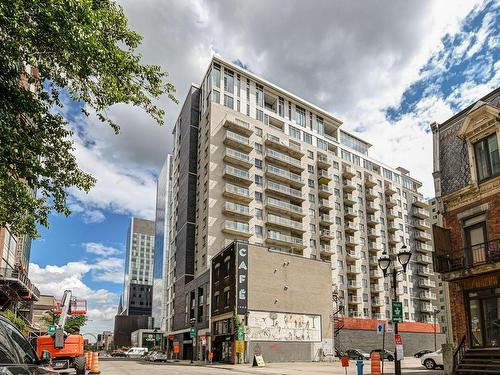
(136, 352)
(432, 360)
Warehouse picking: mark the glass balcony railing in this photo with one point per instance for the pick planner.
(283, 158)
(284, 205)
(271, 185)
(284, 173)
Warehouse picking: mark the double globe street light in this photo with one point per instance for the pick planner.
(384, 262)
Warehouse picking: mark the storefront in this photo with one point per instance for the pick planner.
(223, 341)
(484, 317)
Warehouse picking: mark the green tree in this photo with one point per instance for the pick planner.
(83, 49)
(18, 322)
(73, 322)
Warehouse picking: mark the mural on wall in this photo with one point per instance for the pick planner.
(272, 326)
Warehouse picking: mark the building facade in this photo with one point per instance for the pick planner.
(467, 250)
(163, 261)
(253, 162)
(138, 280)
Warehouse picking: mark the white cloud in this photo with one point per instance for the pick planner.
(109, 269)
(93, 216)
(99, 249)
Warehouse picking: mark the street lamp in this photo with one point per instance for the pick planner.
(192, 323)
(434, 313)
(384, 262)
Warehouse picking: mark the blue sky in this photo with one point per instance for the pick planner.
(387, 73)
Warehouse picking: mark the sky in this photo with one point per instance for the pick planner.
(386, 69)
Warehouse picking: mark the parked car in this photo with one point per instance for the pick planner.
(157, 357)
(136, 352)
(432, 360)
(118, 353)
(387, 354)
(421, 353)
(17, 356)
(357, 354)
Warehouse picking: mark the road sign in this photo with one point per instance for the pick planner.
(240, 333)
(388, 327)
(380, 328)
(399, 347)
(51, 330)
(397, 311)
(193, 332)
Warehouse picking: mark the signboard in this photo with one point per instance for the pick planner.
(397, 311)
(177, 347)
(258, 361)
(51, 330)
(344, 361)
(380, 328)
(193, 332)
(240, 333)
(273, 326)
(242, 275)
(239, 346)
(389, 326)
(399, 347)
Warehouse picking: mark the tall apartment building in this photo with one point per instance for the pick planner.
(163, 260)
(138, 280)
(253, 162)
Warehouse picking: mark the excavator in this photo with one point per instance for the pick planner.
(67, 350)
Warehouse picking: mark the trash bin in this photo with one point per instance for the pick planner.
(359, 366)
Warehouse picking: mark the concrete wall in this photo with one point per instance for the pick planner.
(282, 351)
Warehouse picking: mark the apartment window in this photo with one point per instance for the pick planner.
(300, 116)
(308, 138)
(259, 115)
(228, 81)
(335, 164)
(259, 95)
(258, 148)
(294, 132)
(310, 168)
(258, 180)
(310, 154)
(258, 213)
(312, 212)
(487, 157)
(238, 86)
(258, 230)
(216, 96)
(226, 298)
(290, 111)
(258, 196)
(340, 264)
(322, 145)
(258, 163)
(320, 126)
(229, 101)
(248, 109)
(312, 198)
(312, 228)
(336, 192)
(281, 107)
(338, 220)
(258, 131)
(310, 183)
(216, 76)
(341, 279)
(312, 244)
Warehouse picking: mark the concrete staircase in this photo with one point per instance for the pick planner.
(479, 362)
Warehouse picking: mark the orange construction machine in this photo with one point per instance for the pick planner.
(67, 350)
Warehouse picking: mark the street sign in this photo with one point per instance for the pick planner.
(388, 327)
(193, 332)
(240, 346)
(397, 311)
(399, 347)
(51, 330)
(380, 328)
(240, 333)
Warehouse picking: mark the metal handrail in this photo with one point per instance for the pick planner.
(470, 256)
(458, 354)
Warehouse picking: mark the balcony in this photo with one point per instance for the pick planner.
(355, 314)
(375, 288)
(424, 271)
(371, 207)
(426, 283)
(470, 260)
(323, 176)
(392, 227)
(373, 260)
(348, 171)
(238, 141)
(390, 188)
(324, 204)
(421, 224)
(284, 160)
(353, 255)
(423, 247)
(350, 227)
(370, 194)
(283, 145)
(284, 207)
(325, 219)
(238, 175)
(373, 246)
(353, 269)
(240, 210)
(284, 190)
(353, 284)
(350, 199)
(392, 214)
(283, 222)
(393, 240)
(17, 283)
(348, 186)
(277, 238)
(421, 203)
(326, 234)
(427, 295)
(422, 236)
(378, 316)
(239, 193)
(376, 274)
(372, 219)
(238, 158)
(354, 300)
(373, 233)
(324, 191)
(390, 202)
(325, 250)
(377, 302)
(350, 213)
(236, 228)
(424, 259)
(238, 125)
(427, 307)
(420, 213)
(351, 240)
(324, 161)
(370, 181)
(284, 175)
(400, 291)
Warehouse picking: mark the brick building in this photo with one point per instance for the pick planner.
(467, 245)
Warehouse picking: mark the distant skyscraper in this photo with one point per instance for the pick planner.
(163, 264)
(138, 281)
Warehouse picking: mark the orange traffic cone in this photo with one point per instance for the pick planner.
(87, 360)
(94, 367)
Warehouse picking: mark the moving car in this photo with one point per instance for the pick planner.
(17, 356)
(136, 352)
(357, 354)
(118, 353)
(156, 357)
(421, 353)
(432, 360)
(387, 354)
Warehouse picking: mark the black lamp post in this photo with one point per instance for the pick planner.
(384, 262)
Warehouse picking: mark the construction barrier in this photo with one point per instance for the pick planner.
(87, 360)
(94, 367)
(375, 364)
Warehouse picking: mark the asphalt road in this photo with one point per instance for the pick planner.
(410, 366)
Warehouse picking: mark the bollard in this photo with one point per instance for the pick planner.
(94, 367)
(359, 366)
(375, 364)
(87, 360)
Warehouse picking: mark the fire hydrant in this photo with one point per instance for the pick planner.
(359, 366)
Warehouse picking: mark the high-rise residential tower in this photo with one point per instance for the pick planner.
(138, 281)
(253, 162)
